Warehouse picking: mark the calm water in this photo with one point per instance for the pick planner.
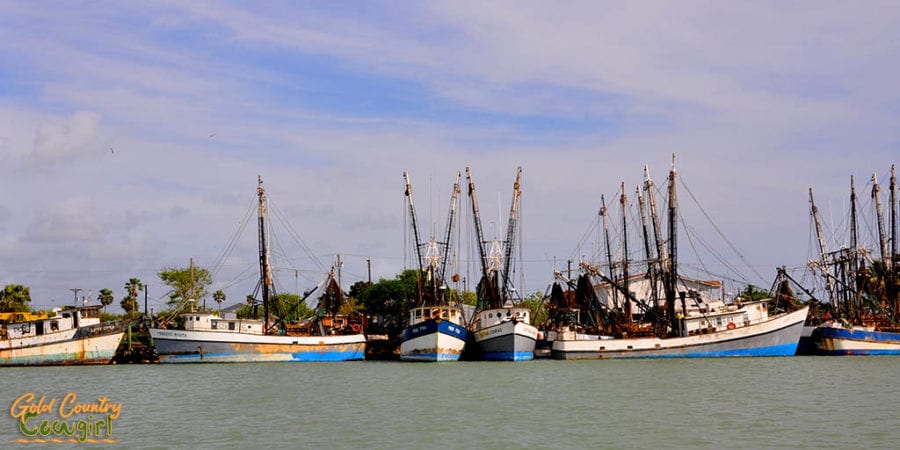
(801, 402)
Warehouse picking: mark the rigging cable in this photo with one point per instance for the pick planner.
(722, 235)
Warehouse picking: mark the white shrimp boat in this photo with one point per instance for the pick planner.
(73, 336)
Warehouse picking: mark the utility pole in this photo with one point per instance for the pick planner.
(369, 268)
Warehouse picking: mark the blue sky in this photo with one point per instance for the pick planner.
(132, 135)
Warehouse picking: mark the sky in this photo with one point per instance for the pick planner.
(132, 134)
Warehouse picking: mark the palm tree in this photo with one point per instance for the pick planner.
(133, 286)
(105, 298)
(130, 303)
(219, 297)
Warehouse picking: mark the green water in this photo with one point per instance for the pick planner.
(801, 402)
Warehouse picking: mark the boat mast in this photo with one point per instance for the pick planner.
(893, 188)
(511, 232)
(853, 247)
(893, 268)
(879, 216)
(648, 253)
(672, 264)
(449, 234)
(418, 243)
(603, 215)
(814, 211)
(265, 271)
(479, 235)
(624, 201)
(661, 256)
(412, 216)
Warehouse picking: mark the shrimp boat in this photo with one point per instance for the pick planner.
(501, 329)
(692, 320)
(435, 330)
(72, 336)
(862, 316)
(206, 337)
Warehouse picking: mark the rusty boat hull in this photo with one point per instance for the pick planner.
(180, 346)
(95, 344)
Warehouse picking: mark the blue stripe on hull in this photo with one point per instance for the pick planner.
(508, 356)
(775, 350)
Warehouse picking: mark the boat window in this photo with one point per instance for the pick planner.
(231, 326)
(54, 326)
(453, 313)
(508, 314)
(214, 325)
(445, 314)
(418, 313)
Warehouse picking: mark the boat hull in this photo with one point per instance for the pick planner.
(433, 341)
(845, 341)
(94, 345)
(778, 336)
(178, 346)
(506, 341)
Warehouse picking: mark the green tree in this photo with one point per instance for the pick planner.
(105, 298)
(535, 302)
(289, 307)
(185, 283)
(130, 305)
(752, 293)
(390, 299)
(247, 311)
(356, 289)
(15, 298)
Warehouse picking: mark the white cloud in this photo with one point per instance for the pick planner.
(759, 102)
(61, 141)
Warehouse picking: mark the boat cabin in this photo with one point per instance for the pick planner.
(212, 322)
(726, 317)
(63, 319)
(443, 312)
(490, 317)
